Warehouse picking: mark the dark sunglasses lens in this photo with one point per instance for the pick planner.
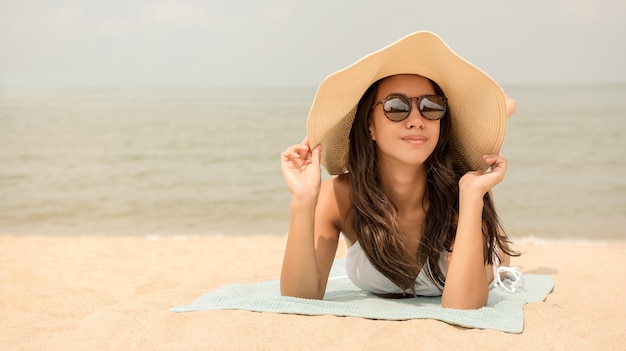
(397, 108)
(433, 107)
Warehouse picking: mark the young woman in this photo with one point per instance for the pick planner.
(413, 134)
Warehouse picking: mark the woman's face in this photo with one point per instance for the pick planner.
(412, 140)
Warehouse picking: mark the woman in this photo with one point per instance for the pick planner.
(413, 134)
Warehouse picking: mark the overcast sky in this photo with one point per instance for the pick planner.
(178, 43)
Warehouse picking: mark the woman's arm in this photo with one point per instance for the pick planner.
(313, 238)
(467, 284)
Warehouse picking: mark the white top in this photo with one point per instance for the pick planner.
(364, 275)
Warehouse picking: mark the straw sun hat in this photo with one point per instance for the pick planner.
(476, 102)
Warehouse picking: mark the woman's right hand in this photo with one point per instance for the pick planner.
(300, 167)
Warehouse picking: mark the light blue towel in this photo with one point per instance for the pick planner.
(504, 310)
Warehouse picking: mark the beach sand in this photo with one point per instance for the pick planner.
(98, 293)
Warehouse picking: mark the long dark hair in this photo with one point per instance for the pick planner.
(374, 216)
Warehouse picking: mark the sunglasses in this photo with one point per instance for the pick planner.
(398, 107)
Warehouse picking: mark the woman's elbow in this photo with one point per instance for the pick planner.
(300, 293)
(466, 302)
(464, 305)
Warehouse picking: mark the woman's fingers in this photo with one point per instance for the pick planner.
(300, 167)
(316, 155)
(498, 165)
(496, 162)
(298, 151)
(299, 156)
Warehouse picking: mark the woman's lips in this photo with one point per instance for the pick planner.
(415, 139)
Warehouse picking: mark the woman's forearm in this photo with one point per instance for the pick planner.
(300, 276)
(466, 284)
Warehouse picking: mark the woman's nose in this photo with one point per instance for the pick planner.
(415, 118)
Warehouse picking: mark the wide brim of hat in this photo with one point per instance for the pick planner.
(476, 102)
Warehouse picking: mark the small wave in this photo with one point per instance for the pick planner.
(542, 241)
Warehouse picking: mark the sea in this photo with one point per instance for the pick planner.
(171, 162)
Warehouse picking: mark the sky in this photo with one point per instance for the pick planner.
(233, 43)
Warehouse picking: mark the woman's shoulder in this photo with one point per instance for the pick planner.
(338, 187)
(334, 199)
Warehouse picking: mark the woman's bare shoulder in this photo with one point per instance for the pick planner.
(338, 189)
(342, 184)
(334, 201)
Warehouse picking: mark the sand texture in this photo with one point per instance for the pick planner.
(99, 293)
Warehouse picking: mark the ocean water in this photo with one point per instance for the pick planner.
(204, 162)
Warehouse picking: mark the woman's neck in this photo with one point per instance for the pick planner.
(405, 186)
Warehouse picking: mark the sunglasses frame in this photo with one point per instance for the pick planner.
(410, 99)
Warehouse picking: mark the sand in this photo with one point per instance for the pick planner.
(97, 293)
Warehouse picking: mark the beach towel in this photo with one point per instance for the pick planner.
(504, 310)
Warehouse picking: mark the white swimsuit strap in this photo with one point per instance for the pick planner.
(513, 280)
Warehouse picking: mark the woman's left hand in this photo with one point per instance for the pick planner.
(482, 182)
